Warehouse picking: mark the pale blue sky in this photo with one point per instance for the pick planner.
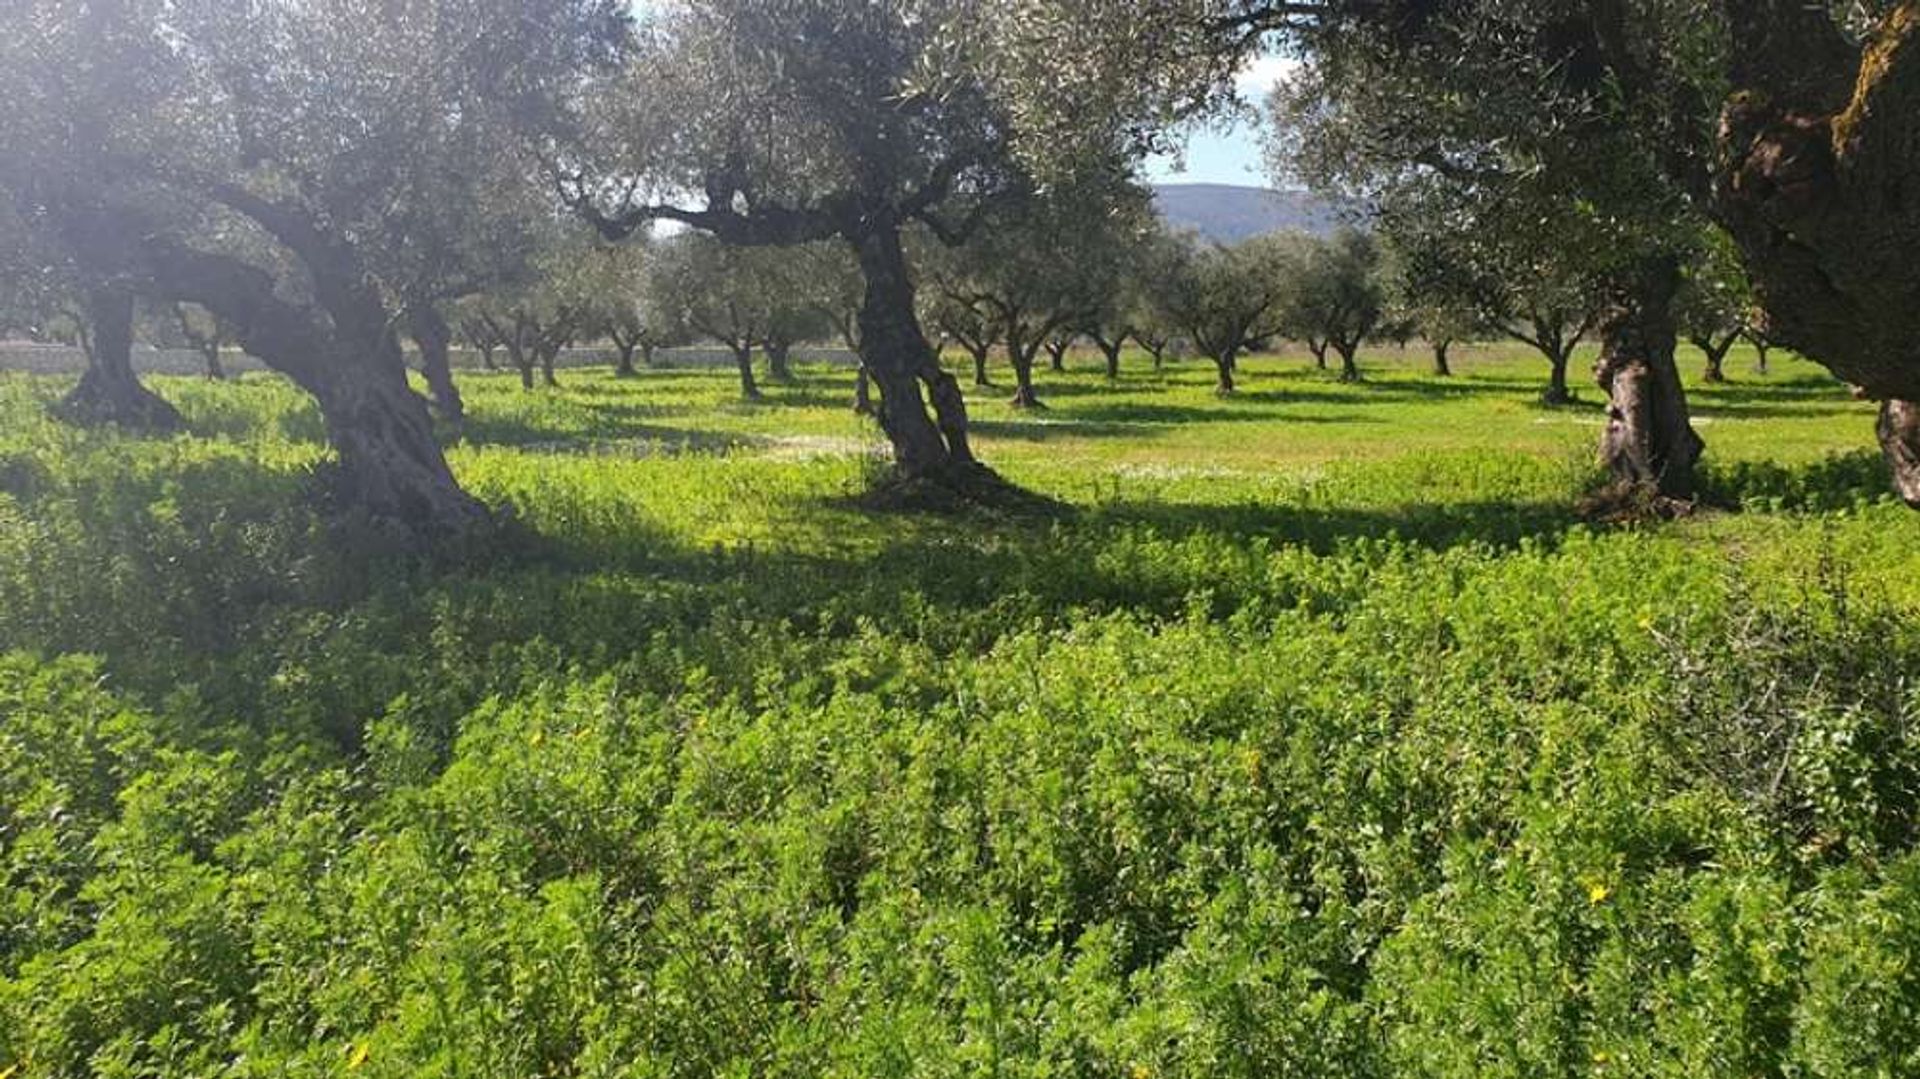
(1230, 156)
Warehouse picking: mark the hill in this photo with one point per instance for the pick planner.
(1228, 213)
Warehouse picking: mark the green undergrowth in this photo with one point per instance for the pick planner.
(1320, 738)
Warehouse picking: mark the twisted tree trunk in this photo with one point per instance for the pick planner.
(1649, 445)
(1820, 147)
(895, 352)
(1716, 354)
(623, 350)
(1319, 350)
(1021, 356)
(1057, 353)
(979, 354)
(435, 340)
(743, 362)
(1441, 368)
(210, 356)
(108, 391)
(1557, 392)
(779, 360)
(1899, 431)
(1349, 363)
(1224, 365)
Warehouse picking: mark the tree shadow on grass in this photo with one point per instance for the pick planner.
(606, 424)
(1143, 422)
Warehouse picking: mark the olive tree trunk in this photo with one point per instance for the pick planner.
(1021, 357)
(1819, 147)
(108, 391)
(979, 353)
(1224, 364)
(1441, 367)
(435, 341)
(779, 361)
(1349, 360)
(895, 352)
(1649, 444)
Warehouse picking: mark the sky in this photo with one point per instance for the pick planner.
(1229, 156)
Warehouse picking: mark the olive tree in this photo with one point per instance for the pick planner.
(1338, 297)
(778, 122)
(1224, 299)
(1714, 304)
(1046, 268)
(275, 162)
(1477, 111)
(1790, 125)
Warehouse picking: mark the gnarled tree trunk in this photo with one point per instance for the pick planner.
(743, 362)
(1819, 186)
(108, 391)
(1110, 350)
(1649, 444)
(1349, 362)
(979, 353)
(896, 354)
(779, 360)
(1442, 368)
(1716, 355)
(1021, 356)
(435, 341)
(623, 350)
(1899, 430)
(1224, 365)
(1557, 392)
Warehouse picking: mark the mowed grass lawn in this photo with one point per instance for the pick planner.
(1318, 736)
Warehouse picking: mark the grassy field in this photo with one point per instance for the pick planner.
(1321, 738)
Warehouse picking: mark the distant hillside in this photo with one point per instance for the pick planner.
(1228, 214)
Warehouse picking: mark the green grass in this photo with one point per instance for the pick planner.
(1321, 739)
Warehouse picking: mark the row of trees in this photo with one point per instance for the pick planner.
(327, 178)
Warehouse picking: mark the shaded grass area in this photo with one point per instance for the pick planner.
(1320, 738)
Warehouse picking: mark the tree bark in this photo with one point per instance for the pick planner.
(486, 357)
(1819, 148)
(1649, 444)
(1441, 367)
(108, 391)
(1224, 365)
(340, 347)
(1319, 350)
(623, 350)
(1111, 351)
(210, 354)
(1899, 430)
(549, 355)
(1057, 354)
(1349, 364)
(1557, 392)
(1022, 357)
(743, 362)
(779, 361)
(1716, 355)
(979, 351)
(521, 361)
(896, 354)
(435, 340)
